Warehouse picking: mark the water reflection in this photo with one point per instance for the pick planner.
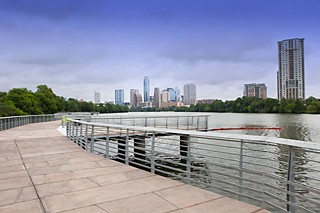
(261, 132)
(301, 161)
(294, 127)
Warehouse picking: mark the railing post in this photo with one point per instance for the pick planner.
(189, 160)
(145, 121)
(77, 131)
(67, 130)
(153, 153)
(127, 148)
(71, 130)
(177, 122)
(166, 122)
(197, 123)
(291, 179)
(92, 139)
(107, 142)
(241, 171)
(80, 137)
(86, 138)
(207, 127)
(188, 123)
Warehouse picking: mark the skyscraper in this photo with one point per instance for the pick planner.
(178, 97)
(156, 97)
(132, 100)
(97, 97)
(189, 94)
(290, 76)
(119, 96)
(255, 90)
(135, 97)
(146, 89)
(172, 94)
(164, 98)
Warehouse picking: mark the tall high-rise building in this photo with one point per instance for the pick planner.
(172, 94)
(164, 96)
(189, 94)
(135, 97)
(119, 96)
(290, 76)
(178, 96)
(156, 97)
(132, 92)
(255, 90)
(97, 97)
(146, 89)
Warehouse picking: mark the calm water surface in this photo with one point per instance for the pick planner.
(303, 127)
(298, 127)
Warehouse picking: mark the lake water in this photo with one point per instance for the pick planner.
(303, 127)
(298, 127)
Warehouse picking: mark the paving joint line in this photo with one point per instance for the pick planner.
(196, 204)
(41, 203)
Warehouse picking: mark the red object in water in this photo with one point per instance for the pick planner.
(246, 128)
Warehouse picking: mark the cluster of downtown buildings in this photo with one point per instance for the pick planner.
(160, 99)
(290, 83)
(290, 75)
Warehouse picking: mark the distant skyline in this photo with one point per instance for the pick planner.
(77, 47)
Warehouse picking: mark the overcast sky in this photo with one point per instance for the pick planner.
(77, 47)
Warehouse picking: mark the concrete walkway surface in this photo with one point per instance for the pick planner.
(43, 171)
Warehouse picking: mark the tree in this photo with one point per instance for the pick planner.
(24, 100)
(313, 107)
(7, 107)
(72, 105)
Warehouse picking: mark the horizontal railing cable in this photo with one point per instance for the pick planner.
(276, 174)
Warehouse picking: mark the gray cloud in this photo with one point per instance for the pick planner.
(212, 47)
(57, 10)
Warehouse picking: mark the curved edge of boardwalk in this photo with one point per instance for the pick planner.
(42, 171)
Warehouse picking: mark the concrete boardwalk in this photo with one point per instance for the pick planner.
(42, 171)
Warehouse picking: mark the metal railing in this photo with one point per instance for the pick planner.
(187, 122)
(84, 116)
(15, 121)
(276, 174)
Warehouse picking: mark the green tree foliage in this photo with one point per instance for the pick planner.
(47, 100)
(21, 101)
(7, 107)
(312, 105)
(256, 105)
(25, 100)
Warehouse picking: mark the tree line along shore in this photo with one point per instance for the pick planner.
(21, 101)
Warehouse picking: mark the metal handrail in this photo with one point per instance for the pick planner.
(274, 173)
(189, 122)
(16, 121)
